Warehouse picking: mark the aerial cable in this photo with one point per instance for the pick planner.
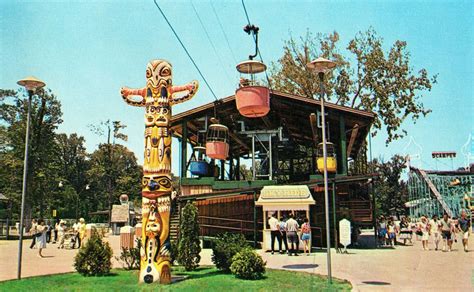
(184, 47)
(255, 40)
(223, 31)
(210, 41)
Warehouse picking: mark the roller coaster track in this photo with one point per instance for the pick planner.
(434, 190)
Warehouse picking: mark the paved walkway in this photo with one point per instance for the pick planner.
(405, 268)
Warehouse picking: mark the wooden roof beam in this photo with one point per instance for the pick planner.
(354, 132)
(314, 128)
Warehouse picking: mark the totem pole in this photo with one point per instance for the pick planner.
(157, 97)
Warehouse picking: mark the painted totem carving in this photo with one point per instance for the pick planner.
(157, 98)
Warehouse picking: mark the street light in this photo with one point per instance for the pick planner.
(31, 84)
(323, 66)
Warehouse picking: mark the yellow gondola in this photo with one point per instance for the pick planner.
(331, 158)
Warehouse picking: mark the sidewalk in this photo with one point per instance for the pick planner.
(405, 268)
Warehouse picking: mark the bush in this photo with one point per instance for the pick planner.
(247, 264)
(225, 247)
(93, 259)
(173, 251)
(130, 258)
(188, 245)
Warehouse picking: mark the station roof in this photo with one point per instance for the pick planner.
(291, 112)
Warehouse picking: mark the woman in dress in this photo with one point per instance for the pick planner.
(424, 227)
(41, 239)
(306, 235)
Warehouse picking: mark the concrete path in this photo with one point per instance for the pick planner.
(405, 268)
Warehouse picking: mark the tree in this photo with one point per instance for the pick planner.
(113, 171)
(189, 245)
(391, 192)
(366, 78)
(42, 170)
(107, 167)
(74, 164)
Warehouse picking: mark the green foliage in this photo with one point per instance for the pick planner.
(189, 245)
(391, 192)
(247, 264)
(225, 247)
(130, 258)
(367, 77)
(94, 258)
(173, 251)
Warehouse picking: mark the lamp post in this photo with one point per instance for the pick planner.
(31, 84)
(323, 66)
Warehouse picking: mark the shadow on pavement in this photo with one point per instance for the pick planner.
(377, 283)
(300, 266)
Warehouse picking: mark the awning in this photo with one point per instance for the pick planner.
(292, 197)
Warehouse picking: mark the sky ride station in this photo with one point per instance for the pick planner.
(261, 145)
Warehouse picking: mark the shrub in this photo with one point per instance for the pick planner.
(93, 259)
(225, 247)
(188, 245)
(130, 258)
(247, 264)
(173, 251)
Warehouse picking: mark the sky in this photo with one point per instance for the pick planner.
(87, 50)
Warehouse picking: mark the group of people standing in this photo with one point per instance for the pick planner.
(445, 229)
(286, 231)
(43, 233)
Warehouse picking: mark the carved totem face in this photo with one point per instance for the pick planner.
(157, 119)
(154, 185)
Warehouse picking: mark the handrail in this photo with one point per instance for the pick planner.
(228, 219)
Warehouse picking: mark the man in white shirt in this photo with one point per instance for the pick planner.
(292, 233)
(275, 232)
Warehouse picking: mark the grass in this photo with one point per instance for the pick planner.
(203, 279)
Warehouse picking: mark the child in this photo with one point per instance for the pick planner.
(391, 233)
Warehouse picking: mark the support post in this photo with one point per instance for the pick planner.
(334, 216)
(326, 195)
(342, 157)
(184, 148)
(254, 171)
(24, 188)
(254, 220)
(270, 171)
(237, 174)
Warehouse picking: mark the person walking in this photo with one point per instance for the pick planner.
(61, 230)
(275, 232)
(405, 230)
(424, 227)
(382, 230)
(77, 240)
(56, 227)
(282, 227)
(41, 239)
(446, 232)
(33, 232)
(464, 226)
(82, 231)
(391, 232)
(435, 230)
(292, 234)
(306, 235)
